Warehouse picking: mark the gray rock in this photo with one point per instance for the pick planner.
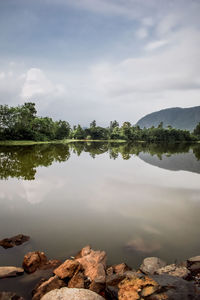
(174, 270)
(193, 264)
(151, 264)
(10, 271)
(71, 294)
(174, 288)
(9, 296)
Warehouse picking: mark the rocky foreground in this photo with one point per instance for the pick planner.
(87, 277)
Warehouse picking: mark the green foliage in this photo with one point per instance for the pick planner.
(22, 123)
(196, 131)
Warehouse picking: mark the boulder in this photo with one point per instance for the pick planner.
(114, 279)
(10, 271)
(137, 288)
(116, 273)
(77, 281)
(117, 269)
(71, 294)
(14, 241)
(10, 296)
(34, 260)
(84, 251)
(193, 264)
(151, 264)
(47, 286)
(93, 264)
(174, 270)
(174, 288)
(97, 287)
(67, 269)
(156, 287)
(50, 264)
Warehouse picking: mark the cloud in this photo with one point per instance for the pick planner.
(142, 33)
(2, 75)
(37, 84)
(156, 44)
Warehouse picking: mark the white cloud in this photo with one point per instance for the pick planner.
(2, 75)
(37, 84)
(156, 44)
(148, 21)
(142, 33)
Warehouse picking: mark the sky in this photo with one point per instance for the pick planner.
(103, 60)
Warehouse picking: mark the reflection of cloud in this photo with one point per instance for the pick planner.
(141, 245)
(36, 191)
(151, 229)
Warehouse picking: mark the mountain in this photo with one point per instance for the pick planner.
(182, 118)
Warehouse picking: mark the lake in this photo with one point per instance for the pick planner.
(131, 200)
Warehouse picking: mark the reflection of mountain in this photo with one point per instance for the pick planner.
(175, 162)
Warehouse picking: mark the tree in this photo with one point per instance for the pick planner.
(93, 124)
(197, 130)
(62, 130)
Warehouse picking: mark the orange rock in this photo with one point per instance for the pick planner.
(34, 260)
(77, 281)
(133, 289)
(67, 269)
(47, 286)
(94, 264)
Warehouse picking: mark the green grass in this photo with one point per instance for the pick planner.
(66, 141)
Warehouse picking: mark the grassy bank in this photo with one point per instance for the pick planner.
(66, 141)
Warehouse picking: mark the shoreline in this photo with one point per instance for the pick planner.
(87, 273)
(68, 141)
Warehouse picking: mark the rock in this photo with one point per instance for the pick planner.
(47, 286)
(116, 273)
(67, 269)
(114, 279)
(132, 274)
(14, 241)
(174, 270)
(77, 281)
(132, 289)
(9, 296)
(34, 260)
(111, 292)
(174, 288)
(97, 287)
(71, 294)
(156, 287)
(117, 269)
(93, 264)
(121, 268)
(85, 251)
(10, 271)
(50, 264)
(151, 264)
(193, 264)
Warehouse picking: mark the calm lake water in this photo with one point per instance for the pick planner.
(132, 201)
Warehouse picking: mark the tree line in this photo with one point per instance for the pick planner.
(22, 123)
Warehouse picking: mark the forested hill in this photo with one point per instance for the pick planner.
(181, 118)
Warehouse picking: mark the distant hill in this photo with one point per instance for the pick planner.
(181, 118)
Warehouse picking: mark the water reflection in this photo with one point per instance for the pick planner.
(63, 199)
(22, 162)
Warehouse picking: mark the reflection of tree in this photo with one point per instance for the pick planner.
(196, 150)
(21, 162)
